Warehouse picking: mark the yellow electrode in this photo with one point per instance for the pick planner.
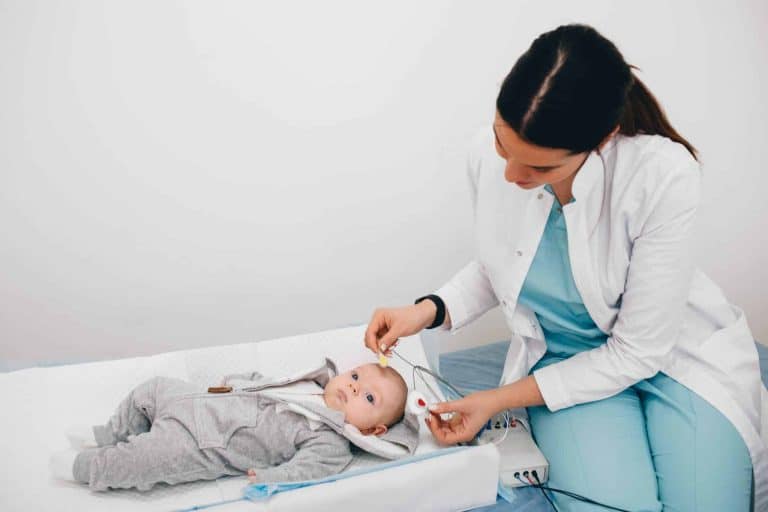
(383, 360)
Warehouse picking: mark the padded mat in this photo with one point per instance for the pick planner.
(39, 403)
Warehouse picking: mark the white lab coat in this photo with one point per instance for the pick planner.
(628, 242)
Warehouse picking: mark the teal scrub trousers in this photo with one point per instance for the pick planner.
(655, 446)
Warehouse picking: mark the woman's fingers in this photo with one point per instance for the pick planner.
(371, 337)
(434, 426)
(469, 415)
(448, 406)
(376, 329)
(386, 343)
(381, 333)
(388, 325)
(446, 432)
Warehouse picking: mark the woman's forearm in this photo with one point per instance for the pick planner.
(521, 393)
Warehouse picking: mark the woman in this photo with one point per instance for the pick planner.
(641, 381)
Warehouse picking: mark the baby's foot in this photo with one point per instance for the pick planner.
(62, 463)
(81, 437)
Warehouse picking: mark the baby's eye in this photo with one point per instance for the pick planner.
(369, 397)
(354, 375)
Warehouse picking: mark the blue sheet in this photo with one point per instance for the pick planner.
(480, 368)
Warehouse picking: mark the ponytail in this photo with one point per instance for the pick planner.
(643, 114)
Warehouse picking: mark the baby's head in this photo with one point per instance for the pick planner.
(372, 398)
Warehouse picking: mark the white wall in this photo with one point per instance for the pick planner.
(181, 174)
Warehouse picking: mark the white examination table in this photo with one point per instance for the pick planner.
(39, 403)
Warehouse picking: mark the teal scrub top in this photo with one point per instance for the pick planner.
(549, 290)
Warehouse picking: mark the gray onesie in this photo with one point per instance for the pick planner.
(168, 430)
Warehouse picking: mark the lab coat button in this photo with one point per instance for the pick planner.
(519, 253)
(540, 195)
(504, 303)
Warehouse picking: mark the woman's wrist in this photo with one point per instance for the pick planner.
(489, 401)
(428, 311)
(438, 317)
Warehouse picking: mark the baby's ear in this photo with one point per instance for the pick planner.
(378, 430)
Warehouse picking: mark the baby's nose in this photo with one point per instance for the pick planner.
(353, 388)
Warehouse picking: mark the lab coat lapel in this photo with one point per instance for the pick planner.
(581, 218)
(529, 345)
(534, 220)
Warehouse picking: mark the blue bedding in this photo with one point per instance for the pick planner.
(480, 368)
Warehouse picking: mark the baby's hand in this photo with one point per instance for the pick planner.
(252, 476)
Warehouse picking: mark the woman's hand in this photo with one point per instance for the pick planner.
(389, 324)
(470, 414)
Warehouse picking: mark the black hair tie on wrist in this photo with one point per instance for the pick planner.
(440, 315)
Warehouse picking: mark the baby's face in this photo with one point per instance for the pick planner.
(371, 397)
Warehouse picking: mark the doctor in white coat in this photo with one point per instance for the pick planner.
(640, 381)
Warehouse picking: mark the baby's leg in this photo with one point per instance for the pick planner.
(138, 410)
(167, 454)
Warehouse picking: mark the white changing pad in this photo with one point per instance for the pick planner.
(39, 403)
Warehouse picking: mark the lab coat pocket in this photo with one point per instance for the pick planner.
(217, 417)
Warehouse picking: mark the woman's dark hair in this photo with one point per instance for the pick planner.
(570, 90)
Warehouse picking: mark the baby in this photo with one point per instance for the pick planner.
(168, 430)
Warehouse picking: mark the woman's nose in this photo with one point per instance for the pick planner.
(514, 172)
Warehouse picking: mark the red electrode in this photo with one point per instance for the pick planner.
(416, 403)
